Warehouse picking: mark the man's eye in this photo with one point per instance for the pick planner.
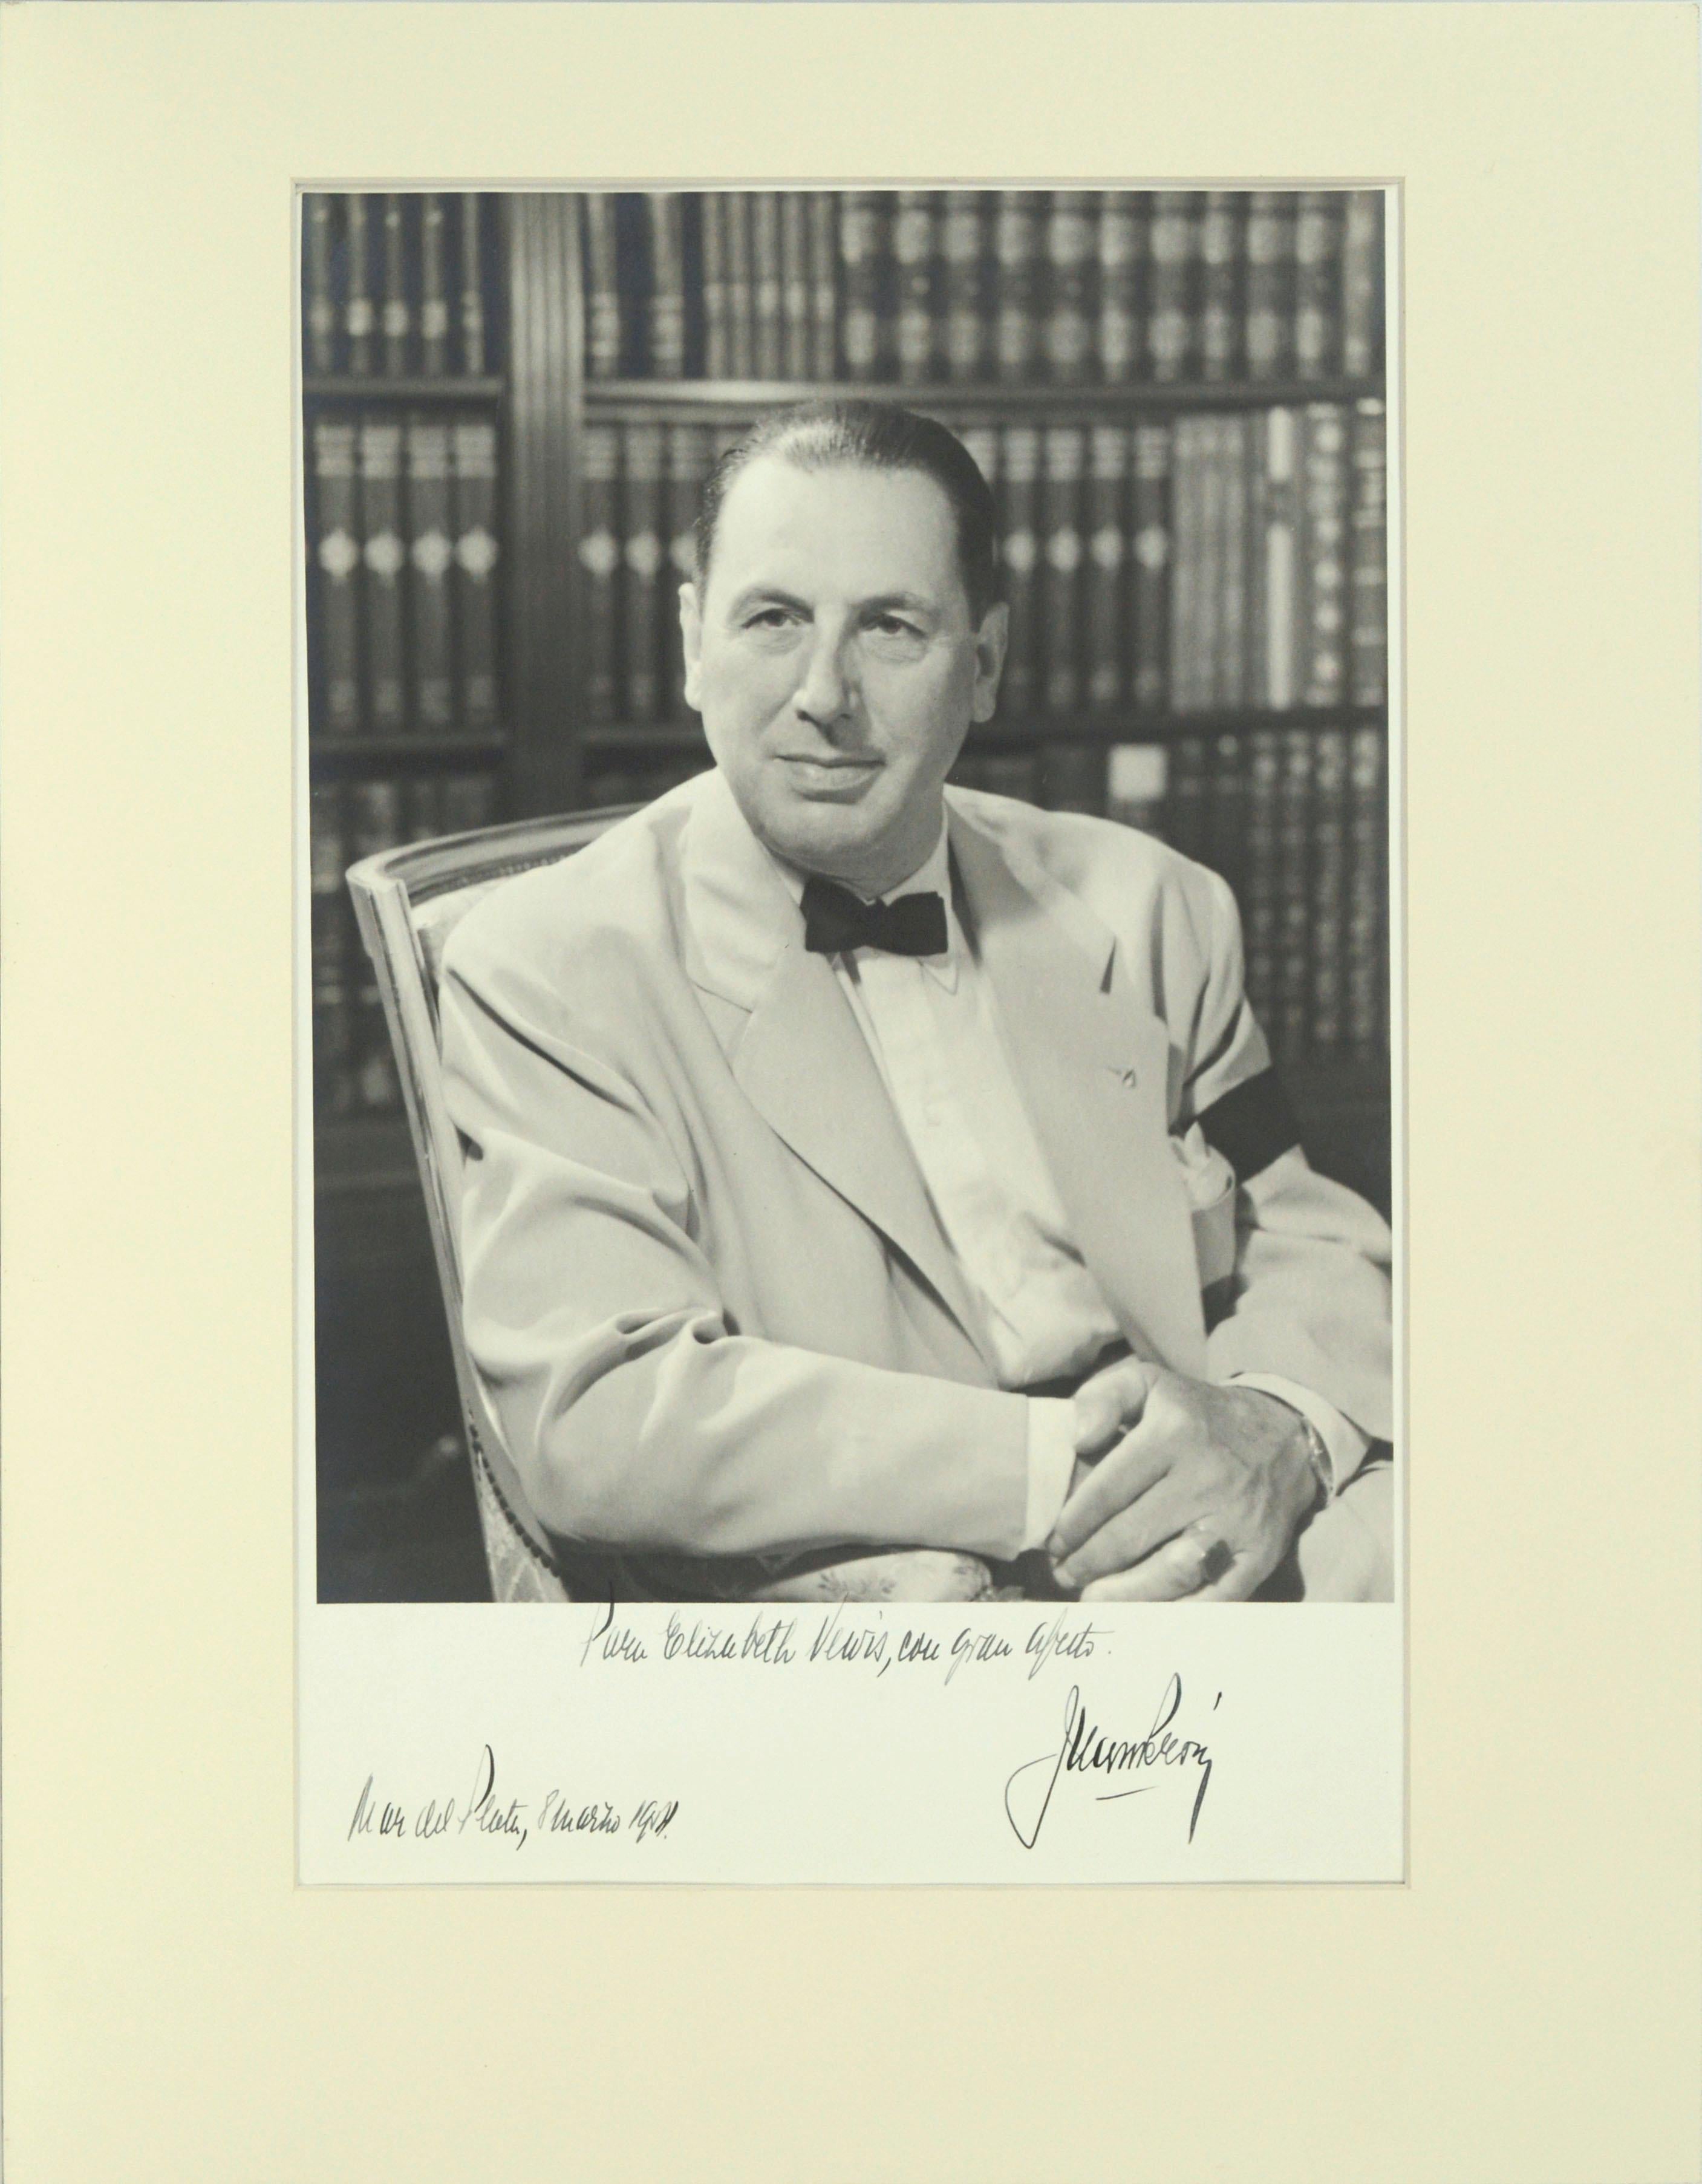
(769, 618)
(895, 625)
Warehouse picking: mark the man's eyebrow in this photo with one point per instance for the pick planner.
(915, 602)
(770, 595)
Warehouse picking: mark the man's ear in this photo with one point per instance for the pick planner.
(691, 636)
(990, 640)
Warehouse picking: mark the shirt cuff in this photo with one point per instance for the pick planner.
(1344, 1442)
(1051, 1465)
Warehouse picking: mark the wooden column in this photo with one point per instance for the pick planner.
(546, 309)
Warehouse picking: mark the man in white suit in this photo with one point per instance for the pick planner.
(869, 1177)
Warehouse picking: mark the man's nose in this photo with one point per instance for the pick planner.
(824, 695)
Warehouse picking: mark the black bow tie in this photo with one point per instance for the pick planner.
(834, 919)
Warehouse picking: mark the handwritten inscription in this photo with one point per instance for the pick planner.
(508, 1817)
(842, 1636)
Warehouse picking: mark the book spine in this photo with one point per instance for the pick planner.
(469, 802)
(963, 238)
(717, 352)
(434, 309)
(1370, 616)
(602, 290)
(1187, 676)
(1206, 646)
(472, 284)
(1256, 527)
(795, 298)
(1225, 828)
(1071, 777)
(1186, 806)
(1329, 859)
(384, 556)
(1223, 234)
(1019, 466)
(337, 559)
(1281, 558)
(1173, 250)
(642, 552)
(421, 808)
(1108, 493)
(431, 554)
(1016, 245)
(1233, 456)
(1293, 940)
(741, 342)
(914, 230)
(1362, 283)
(667, 314)
(475, 574)
(1258, 880)
(358, 315)
(765, 277)
(318, 301)
(1064, 452)
(1122, 251)
(398, 320)
(981, 441)
(1317, 283)
(1327, 571)
(862, 227)
(823, 284)
(599, 557)
(1367, 953)
(689, 457)
(1137, 781)
(330, 921)
(1069, 261)
(1151, 567)
(375, 826)
(1269, 249)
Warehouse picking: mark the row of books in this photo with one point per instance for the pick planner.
(353, 1071)
(1198, 563)
(398, 284)
(402, 528)
(1295, 818)
(1066, 286)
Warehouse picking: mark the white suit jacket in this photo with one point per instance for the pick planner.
(704, 1286)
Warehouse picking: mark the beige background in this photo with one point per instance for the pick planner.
(1527, 2009)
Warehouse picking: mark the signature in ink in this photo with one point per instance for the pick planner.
(1088, 1753)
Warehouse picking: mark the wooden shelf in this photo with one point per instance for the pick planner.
(341, 755)
(731, 399)
(377, 387)
(1110, 725)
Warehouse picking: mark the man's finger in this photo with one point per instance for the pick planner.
(1130, 1534)
(1109, 1403)
(1182, 1569)
(1138, 1463)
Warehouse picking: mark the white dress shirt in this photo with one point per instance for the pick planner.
(932, 1025)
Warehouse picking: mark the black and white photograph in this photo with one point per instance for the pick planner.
(852, 1233)
(851, 972)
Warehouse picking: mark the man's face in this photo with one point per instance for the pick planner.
(832, 656)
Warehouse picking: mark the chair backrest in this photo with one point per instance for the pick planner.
(407, 902)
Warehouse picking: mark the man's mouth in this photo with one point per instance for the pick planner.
(829, 776)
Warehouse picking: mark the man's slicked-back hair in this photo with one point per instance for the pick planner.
(879, 435)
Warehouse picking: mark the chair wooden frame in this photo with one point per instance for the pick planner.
(406, 902)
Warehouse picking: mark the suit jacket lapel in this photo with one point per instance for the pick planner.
(795, 1045)
(1092, 1064)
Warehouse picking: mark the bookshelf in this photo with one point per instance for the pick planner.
(555, 372)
